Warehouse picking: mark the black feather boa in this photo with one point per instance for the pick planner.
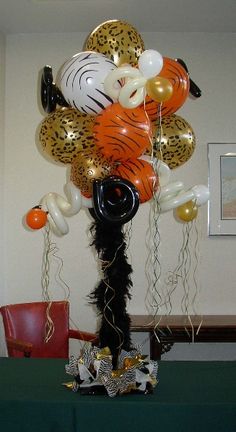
(112, 292)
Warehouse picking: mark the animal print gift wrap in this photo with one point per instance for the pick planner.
(93, 371)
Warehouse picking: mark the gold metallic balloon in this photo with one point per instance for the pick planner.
(187, 212)
(174, 142)
(118, 40)
(87, 167)
(159, 89)
(65, 132)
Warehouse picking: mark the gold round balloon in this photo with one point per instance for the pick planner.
(65, 132)
(174, 142)
(187, 212)
(159, 89)
(118, 40)
(87, 167)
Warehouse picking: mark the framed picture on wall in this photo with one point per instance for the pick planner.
(222, 186)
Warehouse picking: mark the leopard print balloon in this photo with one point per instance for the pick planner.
(87, 167)
(117, 40)
(66, 132)
(178, 141)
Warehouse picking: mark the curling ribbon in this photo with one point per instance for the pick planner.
(59, 207)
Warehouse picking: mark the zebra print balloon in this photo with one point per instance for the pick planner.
(81, 81)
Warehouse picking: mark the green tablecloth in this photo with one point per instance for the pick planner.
(190, 396)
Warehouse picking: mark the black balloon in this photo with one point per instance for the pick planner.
(115, 200)
(50, 94)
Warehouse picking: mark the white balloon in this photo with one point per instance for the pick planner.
(87, 202)
(111, 82)
(55, 215)
(173, 195)
(74, 203)
(150, 63)
(170, 190)
(58, 207)
(163, 172)
(176, 201)
(133, 93)
(81, 80)
(201, 193)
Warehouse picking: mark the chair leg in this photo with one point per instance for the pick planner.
(155, 347)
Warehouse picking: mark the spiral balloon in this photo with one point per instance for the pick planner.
(173, 195)
(58, 207)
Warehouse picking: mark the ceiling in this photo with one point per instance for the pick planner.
(59, 16)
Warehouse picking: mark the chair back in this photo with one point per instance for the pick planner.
(27, 322)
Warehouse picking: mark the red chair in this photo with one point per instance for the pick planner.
(25, 332)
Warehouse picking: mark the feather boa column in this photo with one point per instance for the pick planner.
(113, 291)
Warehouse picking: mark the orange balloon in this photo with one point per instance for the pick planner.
(87, 167)
(179, 78)
(142, 175)
(122, 133)
(36, 218)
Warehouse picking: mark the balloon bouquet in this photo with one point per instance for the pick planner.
(111, 118)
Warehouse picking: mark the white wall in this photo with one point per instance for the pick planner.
(28, 176)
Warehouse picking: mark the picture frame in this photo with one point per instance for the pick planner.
(222, 188)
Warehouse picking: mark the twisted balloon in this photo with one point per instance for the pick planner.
(59, 207)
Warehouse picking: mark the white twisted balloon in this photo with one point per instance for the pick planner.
(173, 195)
(59, 207)
(134, 84)
(133, 92)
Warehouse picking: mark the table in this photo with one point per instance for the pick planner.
(190, 396)
(179, 328)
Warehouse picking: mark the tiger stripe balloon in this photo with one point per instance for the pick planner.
(122, 133)
(81, 81)
(142, 175)
(180, 81)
